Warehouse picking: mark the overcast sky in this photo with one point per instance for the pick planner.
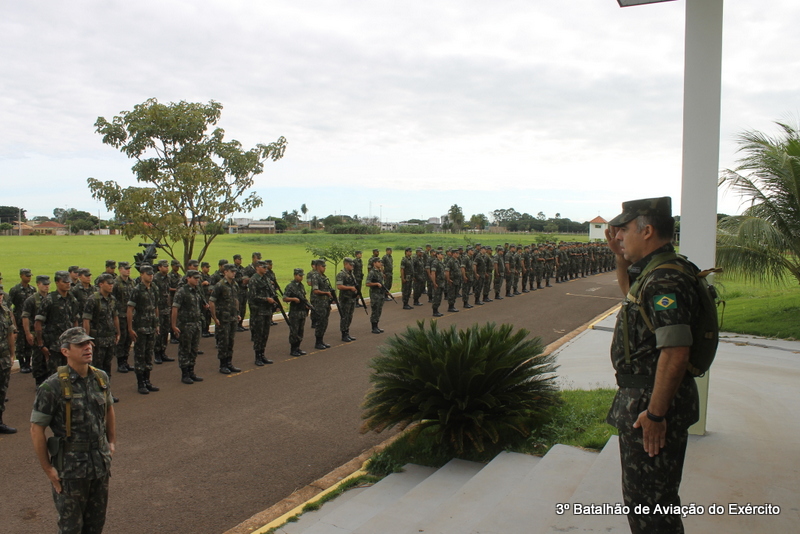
(398, 109)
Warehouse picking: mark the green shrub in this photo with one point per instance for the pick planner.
(471, 386)
(354, 228)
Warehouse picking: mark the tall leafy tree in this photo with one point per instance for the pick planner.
(455, 216)
(192, 180)
(763, 244)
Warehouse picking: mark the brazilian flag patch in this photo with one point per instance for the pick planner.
(665, 302)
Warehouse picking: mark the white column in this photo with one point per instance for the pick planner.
(701, 120)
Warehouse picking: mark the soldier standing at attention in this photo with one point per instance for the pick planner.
(162, 281)
(224, 304)
(174, 282)
(358, 272)
(205, 291)
(123, 285)
(270, 275)
(346, 284)
(143, 327)
(376, 299)
(387, 263)
(420, 276)
(83, 289)
(480, 273)
(57, 314)
(294, 293)
(487, 282)
(468, 276)
(262, 301)
(657, 399)
(186, 319)
(29, 309)
(101, 321)
(321, 297)
(499, 264)
(111, 266)
(73, 271)
(16, 299)
(438, 281)
(242, 288)
(8, 332)
(407, 277)
(78, 407)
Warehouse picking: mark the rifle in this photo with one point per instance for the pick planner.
(360, 298)
(333, 293)
(386, 293)
(148, 255)
(285, 317)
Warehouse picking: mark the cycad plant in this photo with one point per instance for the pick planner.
(763, 244)
(471, 386)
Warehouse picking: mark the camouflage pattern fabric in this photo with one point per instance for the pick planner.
(407, 266)
(347, 299)
(259, 289)
(437, 272)
(100, 312)
(225, 297)
(189, 303)
(420, 276)
(321, 304)
(297, 312)
(122, 292)
(376, 298)
(57, 314)
(6, 328)
(388, 271)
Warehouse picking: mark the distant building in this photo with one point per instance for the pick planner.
(253, 227)
(389, 226)
(597, 228)
(50, 228)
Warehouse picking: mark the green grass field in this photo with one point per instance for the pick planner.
(760, 310)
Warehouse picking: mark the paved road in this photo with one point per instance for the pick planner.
(203, 458)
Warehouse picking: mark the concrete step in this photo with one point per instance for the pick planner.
(309, 518)
(422, 501)
(482, 493)
(601, 485)
(529, 506)
(366, 505)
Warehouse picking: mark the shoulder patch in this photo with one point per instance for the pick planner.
(665, 302)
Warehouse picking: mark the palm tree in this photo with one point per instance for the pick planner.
(473, 387)
(456, 217)
(304, 209)
(763, 244)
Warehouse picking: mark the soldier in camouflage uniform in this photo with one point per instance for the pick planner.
(163, 282)
(270, 275)
(111, 266)
(499, 264)
(16, 300)
(29, 310)
(101, 321)
(295, 294)
(453, 276)
(321, 297)
(438, 282)
(8, 332)
(205, 291)
(467, 276)
(58, 313)
(488, 260)
(657, 399)
(374, 282)
(420, 276)
(83, 289)
(239, 280)
(358, 272)
(479, 260)
(186, 319)
(73, 271)
(262, 305)
(407, 277)
(387, 262)
(224, 304)
(143, 327)
(123, 285)
(174, 277)
(79, 474)
(348, 293)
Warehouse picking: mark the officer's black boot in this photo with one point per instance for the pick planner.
(157, 358)
(122, 365)
(185, 378)
(349, 337)
(165, 358)
(140, 384)
(320, 345)
(406, 306)
(25, 365)
(232, 368)
(4, 428)
(295, 351)
(258, 361)
(345, 337)
(223, 367)
(375, 329)
(147, 384)
(193, 376)
(436, 312)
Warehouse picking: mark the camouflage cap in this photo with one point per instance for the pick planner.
(73, 269)
(419, 249)
(237, 256)
(408, 249)
(146, 269)
(192, 263)
(74, 336)
(124, 265)
(358, 252)
(375, 250)
(205, 264)
(191, 273)
(43, 279)
(646, 206)
(298, 271)
(61, 276)
(223, 262)
(349, 260)
(321, 263)
(111, 263)
(105, 277)
(261, 263)
(175, 262)
(257, 255)
(84, 272)
(229, 267)
(25, 272)
(162, 263)
(268, 262)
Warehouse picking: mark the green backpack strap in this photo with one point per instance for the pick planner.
(66, 391)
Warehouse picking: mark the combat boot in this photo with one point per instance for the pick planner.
(193, 376)
(25, 366)
(264, 359)
(375, 329)
(436, 313)
(349, 337)
(258, 361)
(223, 367)
(232, 368)
(320, 345)
(165, 358)
(4, 428)
(345, 337)
(157, 358)
(122, 365)
(185, 378)
(147, 384)
(295, 351)
(406, 306)
(140, 384)
(452, 309)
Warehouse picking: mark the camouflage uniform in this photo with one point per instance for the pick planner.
(653, 480)
(358, 272)
(297, 313)
(376, 295)
(420, 276)
(144, 301)
(57, 314)
(16, 300)
(347, 301)
(452, 266)
(488, 261)
(86, 464)
(189, 302)
(480, 275)
(437, 273)
(38, 362)
(122, 293)
(225, 297)
(6, 329)
(242, 289)
(322, 306)
(259, 289)
(82, 294)
(499, 264)
(164, 284)
(407, 267)
(388, 271)
(467, 266)
(100, 312)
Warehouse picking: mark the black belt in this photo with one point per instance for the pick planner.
(83, 446)
(635, 381)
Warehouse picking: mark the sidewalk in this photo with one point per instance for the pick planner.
(749, 452)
